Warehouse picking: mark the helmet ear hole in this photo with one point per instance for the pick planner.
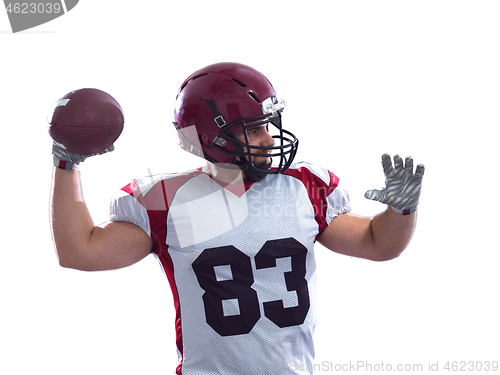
(205, 140)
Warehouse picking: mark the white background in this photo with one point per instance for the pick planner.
(361, 78)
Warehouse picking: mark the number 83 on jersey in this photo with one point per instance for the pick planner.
(238, 286)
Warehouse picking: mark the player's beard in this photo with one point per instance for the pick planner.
(264, 162)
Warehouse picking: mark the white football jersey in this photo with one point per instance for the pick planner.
(240, 263)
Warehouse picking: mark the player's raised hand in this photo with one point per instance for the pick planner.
(402, 190)
(83, 123)
(66, 160)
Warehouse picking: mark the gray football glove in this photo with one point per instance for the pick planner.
(402, 190)
(66, 160)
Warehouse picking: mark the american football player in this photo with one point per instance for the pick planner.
(236, 236)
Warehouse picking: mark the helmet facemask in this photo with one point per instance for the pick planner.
(280, 155)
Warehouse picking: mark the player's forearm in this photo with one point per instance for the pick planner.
(392, 232)
(70, 220)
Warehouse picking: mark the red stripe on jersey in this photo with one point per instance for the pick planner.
(318, 190)
(168, 267)
(157, 201)
(133, 189)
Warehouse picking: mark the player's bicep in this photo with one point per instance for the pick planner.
(351, 235)
(115, 245)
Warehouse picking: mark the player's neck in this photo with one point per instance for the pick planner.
(224, 175)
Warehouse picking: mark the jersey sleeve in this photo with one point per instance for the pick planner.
(338, 201)
(328, 195)
(332, 192)
(128, 206)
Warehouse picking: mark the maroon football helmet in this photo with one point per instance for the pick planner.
(220, 98)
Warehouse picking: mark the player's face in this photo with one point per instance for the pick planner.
(257, 136)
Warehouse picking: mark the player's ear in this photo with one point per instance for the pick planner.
(204, 140)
